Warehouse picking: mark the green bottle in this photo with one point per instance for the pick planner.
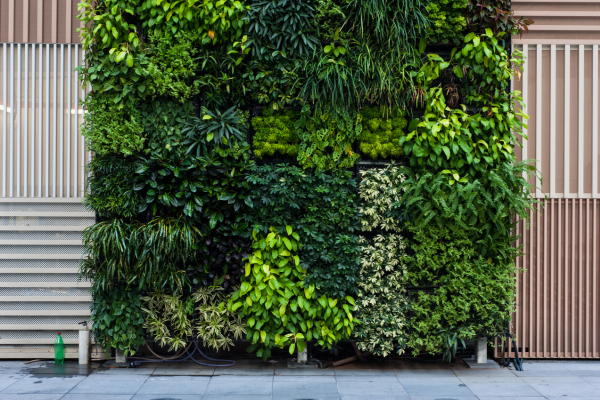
(59, 350)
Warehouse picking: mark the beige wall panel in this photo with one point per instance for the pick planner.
(545, 120)
(559, 21)
(37, 21)
(557, 297)
(574, 125)
(587, 124)
(559, 121)
(42, 153)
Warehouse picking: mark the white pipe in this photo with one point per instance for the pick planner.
(84, 347)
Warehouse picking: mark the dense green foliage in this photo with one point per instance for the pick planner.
(326, 139)
(275, 133)
(111, 187)
(117, 319)
(164, 122)
(382, 301)
(111, 130)
(381, 132)
(213, 241)
(466, 293)
(170, 320)
(280, 308)
(322, 208)
(448, 20)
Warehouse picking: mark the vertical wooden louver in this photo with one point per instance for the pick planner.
(557, 314)
(39, 21)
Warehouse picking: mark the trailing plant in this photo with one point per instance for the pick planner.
(469, 295)
(110, 187)
(326, 139)
(152, 255)
(117, 319)
(172, 66)
(323, 207)
(111, 130)
(274, 132)
(381, 131)
(382, 303)
(279, 309)
(164, 124)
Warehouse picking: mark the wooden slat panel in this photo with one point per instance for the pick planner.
(559, 21)
(557, 295)
(26, 19)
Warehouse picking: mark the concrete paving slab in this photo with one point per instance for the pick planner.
(504, 398)
(381, 388)
(190, 369)
(443, 398)
(449, 380)
(292, 378)
(32, 396)
(547, 373)
(491, 379)
(240, 385)
(115, 384)
(425, 373)
(484, 372)
(293, 397)
(442, 389)
(513, 390)
(125, 371)
(165, 397)
(366, 378)
(401, 397)
(571, 398)
(583, 389)
(7, 380)
(305, 390)
(303, 372)
(175, 385)
(48, 385)
(237, 397)
(360, 372)
(96, 397)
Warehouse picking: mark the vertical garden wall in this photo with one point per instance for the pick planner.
(293, 171)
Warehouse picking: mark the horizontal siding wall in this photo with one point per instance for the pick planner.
(39, 21)
(559, 21)
(42, 153)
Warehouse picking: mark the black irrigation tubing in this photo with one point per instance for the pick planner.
(190, 356)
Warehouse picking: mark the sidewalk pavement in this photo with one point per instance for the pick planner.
(255, 380)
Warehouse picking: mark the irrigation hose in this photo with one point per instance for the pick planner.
(190, 356)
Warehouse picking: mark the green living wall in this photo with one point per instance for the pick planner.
(294, 171)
